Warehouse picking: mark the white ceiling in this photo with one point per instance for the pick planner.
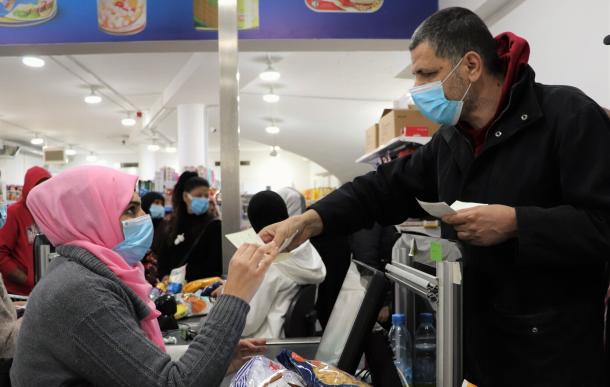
(327, 99)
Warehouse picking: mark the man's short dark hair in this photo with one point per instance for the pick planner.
(452, 32)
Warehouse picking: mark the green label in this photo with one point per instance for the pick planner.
(436, 251)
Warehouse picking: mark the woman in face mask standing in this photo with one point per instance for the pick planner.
(153, 204)
(194, 234)
(89, 321)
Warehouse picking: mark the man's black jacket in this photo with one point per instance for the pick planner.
(533, 305)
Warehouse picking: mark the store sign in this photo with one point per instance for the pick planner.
(99, 21)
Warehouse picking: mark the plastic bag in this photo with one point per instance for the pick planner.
(263, 372)
(176, 280)
(316, 373)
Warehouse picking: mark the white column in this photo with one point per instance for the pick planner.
(146, 163)
(192, 136)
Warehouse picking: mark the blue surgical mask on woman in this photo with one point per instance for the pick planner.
(432, 102)
(157, 211)
(138, 235)
(199, 206)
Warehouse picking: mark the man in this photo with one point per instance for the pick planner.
(534, 258)
(17, 237)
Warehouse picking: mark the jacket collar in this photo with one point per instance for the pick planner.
(522, 110)
(92, 263)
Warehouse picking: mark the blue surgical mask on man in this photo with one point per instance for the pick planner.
(199, 206)
(156, 211)
(432, 102)
(138, 235)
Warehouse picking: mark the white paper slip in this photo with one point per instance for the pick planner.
(440, 209)
(246, 236)
(250, 236)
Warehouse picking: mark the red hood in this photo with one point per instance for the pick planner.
(32, 177)
(514, 52)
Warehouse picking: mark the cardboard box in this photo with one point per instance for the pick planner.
(404, 122)
(371, 141)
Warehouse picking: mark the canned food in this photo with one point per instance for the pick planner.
(20, 13)
(121, 17)
(206, 14)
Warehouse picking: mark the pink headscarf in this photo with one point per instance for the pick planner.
(81, 207)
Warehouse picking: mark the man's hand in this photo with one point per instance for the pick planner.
(484, 225)
(302, 227)
(244, 351)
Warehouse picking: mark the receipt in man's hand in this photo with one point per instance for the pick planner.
(250, 236)
(440, 209)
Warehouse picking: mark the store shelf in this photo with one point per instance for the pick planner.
(390, 148)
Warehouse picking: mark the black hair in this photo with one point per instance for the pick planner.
(187, 182)
(454, 31)
(265, 208)
(149, 198)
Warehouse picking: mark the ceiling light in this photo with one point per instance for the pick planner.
(37, 140)
(71, 152)
(170, 149)
(91, 158)
(153, 147)
(33, 61)
(272, 129)
(128, 121)
(270, 74)
(93, 98)
(271, 97)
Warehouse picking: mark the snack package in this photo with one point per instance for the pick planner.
(316, 373)
(176, 280)
(262, 372)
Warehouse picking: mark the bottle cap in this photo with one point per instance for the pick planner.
(399, 319)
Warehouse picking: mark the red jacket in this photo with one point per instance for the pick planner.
(16, 237)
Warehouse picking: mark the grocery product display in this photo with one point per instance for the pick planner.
(206, 14)
(21, 13)
(344, 5)
(121, 17)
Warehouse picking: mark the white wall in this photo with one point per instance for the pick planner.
(287, 169)
(13, 170)
(565, 38)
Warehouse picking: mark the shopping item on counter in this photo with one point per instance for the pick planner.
(316, 373)
(176, 280)
(261, 372)
(193, 286)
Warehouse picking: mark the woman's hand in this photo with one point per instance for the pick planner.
(244, 351)
(247, 269)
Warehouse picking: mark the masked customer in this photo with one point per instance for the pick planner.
(303, 266)
(153, 204)
(90, 320)
(193, 236)
(537, 155)
(17, 238)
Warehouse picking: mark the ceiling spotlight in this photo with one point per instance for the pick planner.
(170, 149)
(128, 121)
(91, 158)
(154, 147)
(37, 140)
(70, 151)
(272, 129)
(93, 98)
(271, 97)
(33, 61)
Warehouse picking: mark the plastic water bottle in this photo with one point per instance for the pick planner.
(425, 352)
(400, 341)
